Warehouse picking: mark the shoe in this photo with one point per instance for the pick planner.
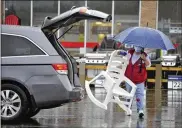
(141, 114)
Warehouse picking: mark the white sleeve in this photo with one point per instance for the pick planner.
(148, 58)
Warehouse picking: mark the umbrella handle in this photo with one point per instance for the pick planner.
(141, 61)
(140, 65)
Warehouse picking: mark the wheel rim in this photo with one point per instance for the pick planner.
(10, 103)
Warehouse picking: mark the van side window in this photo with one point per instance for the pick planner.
(18, 46)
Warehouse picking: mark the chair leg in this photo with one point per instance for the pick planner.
(111, 82)
(127, 110)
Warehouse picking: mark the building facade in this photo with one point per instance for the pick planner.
(162, 15)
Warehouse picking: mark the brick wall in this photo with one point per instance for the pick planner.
(148, 13)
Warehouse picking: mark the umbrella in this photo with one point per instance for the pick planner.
(145, 37)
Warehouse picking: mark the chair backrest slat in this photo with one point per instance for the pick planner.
(117, 60)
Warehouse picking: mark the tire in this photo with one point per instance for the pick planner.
(13, 105)
(32, 112)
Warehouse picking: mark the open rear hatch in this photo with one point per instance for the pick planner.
(51, 25)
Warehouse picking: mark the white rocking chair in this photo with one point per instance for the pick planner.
(114, 75)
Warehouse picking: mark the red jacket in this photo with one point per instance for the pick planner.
(133, 71)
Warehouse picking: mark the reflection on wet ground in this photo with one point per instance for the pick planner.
(163, 110)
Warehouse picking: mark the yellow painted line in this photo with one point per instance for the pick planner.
(164, 80)
(167, 68)
(148, 80)
(101, 67)
(153, 80)
(88, 79)
(172, 68)
(151, 68)
(105, 67)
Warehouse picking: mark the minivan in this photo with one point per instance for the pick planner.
(37, 72)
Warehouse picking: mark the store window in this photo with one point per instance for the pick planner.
(76, 34)
(19, 8)
(170, 22)
(42, 9)
(126, 15)
(98, 30)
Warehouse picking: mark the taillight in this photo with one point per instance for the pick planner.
(61, 68)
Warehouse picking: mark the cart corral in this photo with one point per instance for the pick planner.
(92, 69)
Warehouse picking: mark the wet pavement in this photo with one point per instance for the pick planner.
(163, 109)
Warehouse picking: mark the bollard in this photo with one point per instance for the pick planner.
(82, 74)
(158, 76)
(158, 81)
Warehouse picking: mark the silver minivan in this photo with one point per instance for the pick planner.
(37, 72)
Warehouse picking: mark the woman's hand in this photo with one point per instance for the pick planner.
(143, 56)
(145, 59)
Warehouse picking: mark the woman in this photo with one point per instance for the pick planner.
(137, 73)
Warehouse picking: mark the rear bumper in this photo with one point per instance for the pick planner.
(77, 94)
(53, 91)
